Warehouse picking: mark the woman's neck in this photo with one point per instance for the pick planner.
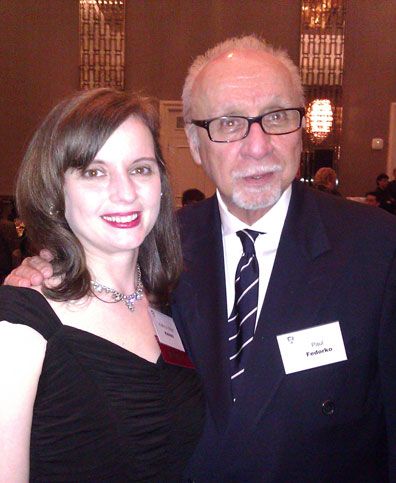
(119, 273)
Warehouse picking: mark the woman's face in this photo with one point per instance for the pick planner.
(113, 204)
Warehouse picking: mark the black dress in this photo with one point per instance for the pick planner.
(101, 412)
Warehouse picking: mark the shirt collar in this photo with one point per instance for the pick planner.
(271, 223)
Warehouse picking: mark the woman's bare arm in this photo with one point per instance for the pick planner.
(22, 351)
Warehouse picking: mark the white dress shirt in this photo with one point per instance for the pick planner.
(266, 245)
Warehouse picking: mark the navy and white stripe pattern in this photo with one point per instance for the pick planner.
(242, 321)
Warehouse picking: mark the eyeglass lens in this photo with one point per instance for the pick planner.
(234, 128)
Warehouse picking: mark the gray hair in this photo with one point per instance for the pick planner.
(248, 42)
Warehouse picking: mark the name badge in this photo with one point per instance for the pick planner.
(313, 347)
(168, 338)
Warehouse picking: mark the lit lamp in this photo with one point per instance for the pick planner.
(319, 119)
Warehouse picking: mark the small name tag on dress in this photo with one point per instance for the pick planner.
(313, 347)
(171, 346)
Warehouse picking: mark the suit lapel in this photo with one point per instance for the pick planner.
(202, 297)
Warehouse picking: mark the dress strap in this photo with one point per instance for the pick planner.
(28, 307)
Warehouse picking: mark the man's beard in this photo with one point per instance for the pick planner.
(259, 197)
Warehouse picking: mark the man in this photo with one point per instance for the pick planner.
(317, 266)
(310, 396)
(383, 194)
(371, 198)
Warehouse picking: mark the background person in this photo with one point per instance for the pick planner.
(325, 179)
(8, 229)
(371, 198)
(5, 258)
(323, 263)
(192, 195)
(85, 393)
(386, 202)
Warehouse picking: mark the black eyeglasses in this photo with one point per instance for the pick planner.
(227, 129)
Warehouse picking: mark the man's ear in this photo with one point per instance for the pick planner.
(192, 138)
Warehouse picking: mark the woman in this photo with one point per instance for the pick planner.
(85, 393)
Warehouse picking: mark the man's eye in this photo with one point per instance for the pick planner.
(276, 117)
(230, 123)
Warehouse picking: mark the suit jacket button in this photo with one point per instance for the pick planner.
(328, 407)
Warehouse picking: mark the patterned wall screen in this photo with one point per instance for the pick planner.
(321, 67)
(102, 43)
(322, 42)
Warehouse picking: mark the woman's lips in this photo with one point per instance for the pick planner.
(122, 220)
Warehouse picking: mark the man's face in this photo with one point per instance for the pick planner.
(251, 174)
(383, 183)
(372, 200)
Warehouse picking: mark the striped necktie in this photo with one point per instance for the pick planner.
(242, 321)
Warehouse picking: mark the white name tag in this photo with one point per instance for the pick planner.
(313, 347)
(166, 330)
(171, 346)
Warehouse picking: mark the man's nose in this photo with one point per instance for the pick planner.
(257, 143)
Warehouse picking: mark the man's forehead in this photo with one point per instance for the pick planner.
(239, 80)
(240, 65)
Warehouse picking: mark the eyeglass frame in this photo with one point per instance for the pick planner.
(251, 120)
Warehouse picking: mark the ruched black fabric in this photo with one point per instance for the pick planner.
(101, 412)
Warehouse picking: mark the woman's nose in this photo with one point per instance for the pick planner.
(123, 188)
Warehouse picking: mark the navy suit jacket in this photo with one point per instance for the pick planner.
(335, 423)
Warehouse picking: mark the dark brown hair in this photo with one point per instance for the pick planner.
(70, 137)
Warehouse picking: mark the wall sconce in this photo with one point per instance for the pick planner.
(319, 119)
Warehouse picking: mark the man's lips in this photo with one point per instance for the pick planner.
(257, 174)
(122, 220)
(258, 177)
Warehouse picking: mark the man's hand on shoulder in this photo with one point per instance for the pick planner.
(32, 271)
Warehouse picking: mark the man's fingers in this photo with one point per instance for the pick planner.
(31, 265)
(46, 255)
(16, 281)
(31, 272)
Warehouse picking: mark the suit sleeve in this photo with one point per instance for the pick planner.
(387, 365)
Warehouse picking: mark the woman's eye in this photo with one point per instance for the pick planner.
(92, 173)
(142, 170)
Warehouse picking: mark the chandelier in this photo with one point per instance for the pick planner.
(318, 14)
(319, 119)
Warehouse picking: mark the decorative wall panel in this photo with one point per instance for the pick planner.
(321, 67)
(102, 43)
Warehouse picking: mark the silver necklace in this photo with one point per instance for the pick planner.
(129, 300)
